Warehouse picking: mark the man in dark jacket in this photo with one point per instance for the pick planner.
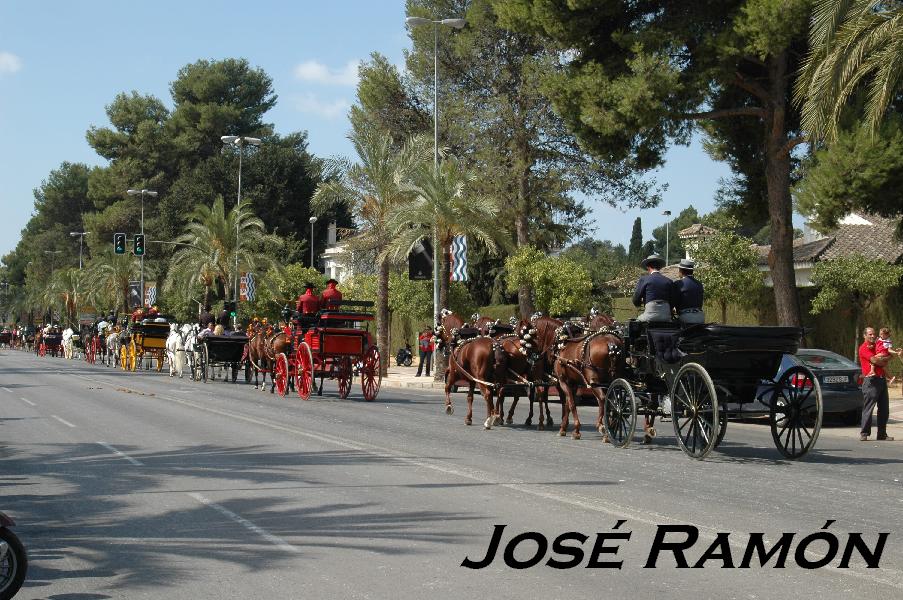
(655, 291)
(688, 294)
(205, 317)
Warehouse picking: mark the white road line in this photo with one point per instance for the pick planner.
(276, 541)
(27, 401)
(63, 421)
(8, 390)
(122, 454)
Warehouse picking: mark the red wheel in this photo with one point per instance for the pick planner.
(280, 374)
(89, 352)
(371, 376)
(304, 376)
(343, 376)
(42, 350)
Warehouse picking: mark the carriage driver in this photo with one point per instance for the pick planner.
(655, 291)
(307, 306)
(331, 297)
(688, 295)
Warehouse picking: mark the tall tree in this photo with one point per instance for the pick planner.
(635, 249)
(369, 189)
(494, 116)
(728, 268)
(632, 77)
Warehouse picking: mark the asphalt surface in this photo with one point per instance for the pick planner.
(135, 485)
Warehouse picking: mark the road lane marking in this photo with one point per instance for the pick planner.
(27, 401)
(63, 421)
(8, 390)
(276, 541)
(891, 577)
(122, 454)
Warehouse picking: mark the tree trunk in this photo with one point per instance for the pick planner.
(382, 315)
(724, 313)
(524, 292)
(780, 207)
(439, 361)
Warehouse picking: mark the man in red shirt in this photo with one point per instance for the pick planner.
(308, 302)
(331, 296)
(874, 387)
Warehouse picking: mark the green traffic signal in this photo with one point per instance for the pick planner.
(119, 243)
(139, 245)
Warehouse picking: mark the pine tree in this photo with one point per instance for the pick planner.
(635, 250)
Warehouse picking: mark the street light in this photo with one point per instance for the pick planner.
(667, 213)
(142, 193)
(81, 240)
(454, 24)
(241, 142)
(312, 221)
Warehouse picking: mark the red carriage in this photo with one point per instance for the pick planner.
(51, 343)
(336, 345)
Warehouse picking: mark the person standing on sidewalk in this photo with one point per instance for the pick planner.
(425, 348)
(874, 387)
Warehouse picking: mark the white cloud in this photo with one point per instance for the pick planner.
(317, 72)
(309, 103)
(9, 62)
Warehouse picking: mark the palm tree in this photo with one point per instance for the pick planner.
(211, 243)
(69, 288)
(441, 202)
(109, 275)
(852, 43)
(371, 189)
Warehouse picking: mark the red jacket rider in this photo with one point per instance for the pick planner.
(308, 302)
(331, 296)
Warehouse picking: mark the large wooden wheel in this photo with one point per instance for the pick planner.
(343, 376)
(620, 413)
(694, 406)
(796, 412)
(90, 351)
(202, 362)
(42, 349)
(371, 374)
(304, 373)
(280, 374)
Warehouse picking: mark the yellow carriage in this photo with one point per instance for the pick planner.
(145, 339)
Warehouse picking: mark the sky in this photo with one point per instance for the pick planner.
(62, 63)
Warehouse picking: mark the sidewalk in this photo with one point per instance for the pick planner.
(406, 377)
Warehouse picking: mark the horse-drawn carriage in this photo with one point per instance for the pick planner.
(145, 338)
(6, 338)
(223, 351)
(336, 346)
(711, 373)
(51, 343)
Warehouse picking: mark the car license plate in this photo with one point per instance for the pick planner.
(837, 379)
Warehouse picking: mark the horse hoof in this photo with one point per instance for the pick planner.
(576, 435)
(487, 424)
(651, 432)
(449, 409)
(508, 421)
(562, 433)
(541, 427)
(528, 422)
(605, 439)
(468, 422)
(647, 439)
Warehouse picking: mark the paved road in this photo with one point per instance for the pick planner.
(141, 486)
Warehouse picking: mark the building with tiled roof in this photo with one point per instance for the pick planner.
(869, 235)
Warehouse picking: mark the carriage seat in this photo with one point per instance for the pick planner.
(664, 343)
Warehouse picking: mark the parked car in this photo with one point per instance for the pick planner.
(838, 376)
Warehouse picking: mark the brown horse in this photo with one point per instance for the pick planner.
(263, 348)
(589, 360)
(479, 359)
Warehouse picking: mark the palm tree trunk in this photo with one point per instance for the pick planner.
(382, 315)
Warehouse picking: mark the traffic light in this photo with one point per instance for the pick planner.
(231, 308)
(119, 243)
(139, 245)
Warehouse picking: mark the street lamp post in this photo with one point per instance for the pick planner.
(81, 240)
(455, 24)
(142, 193)
(241, 142)
(312, 221)
(667, 213)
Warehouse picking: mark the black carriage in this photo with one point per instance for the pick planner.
(52, 344)
(711, 373)
(224, 351)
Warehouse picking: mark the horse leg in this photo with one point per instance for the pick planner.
(449, 407)
(510, 418)
(487, 393)
(600, 399)
(571, 408)
(468, 418)
(499, 413)
(649, 422)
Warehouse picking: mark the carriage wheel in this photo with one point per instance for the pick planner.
(343, 376)
(371, 374)
(304, 375)
(694, 406)
(202, 363)
(133, 356)
(124, 357)
(42, 350)
(89, 352)
(722, 426)
(620, 413)
(280, 373)
(796, 412)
